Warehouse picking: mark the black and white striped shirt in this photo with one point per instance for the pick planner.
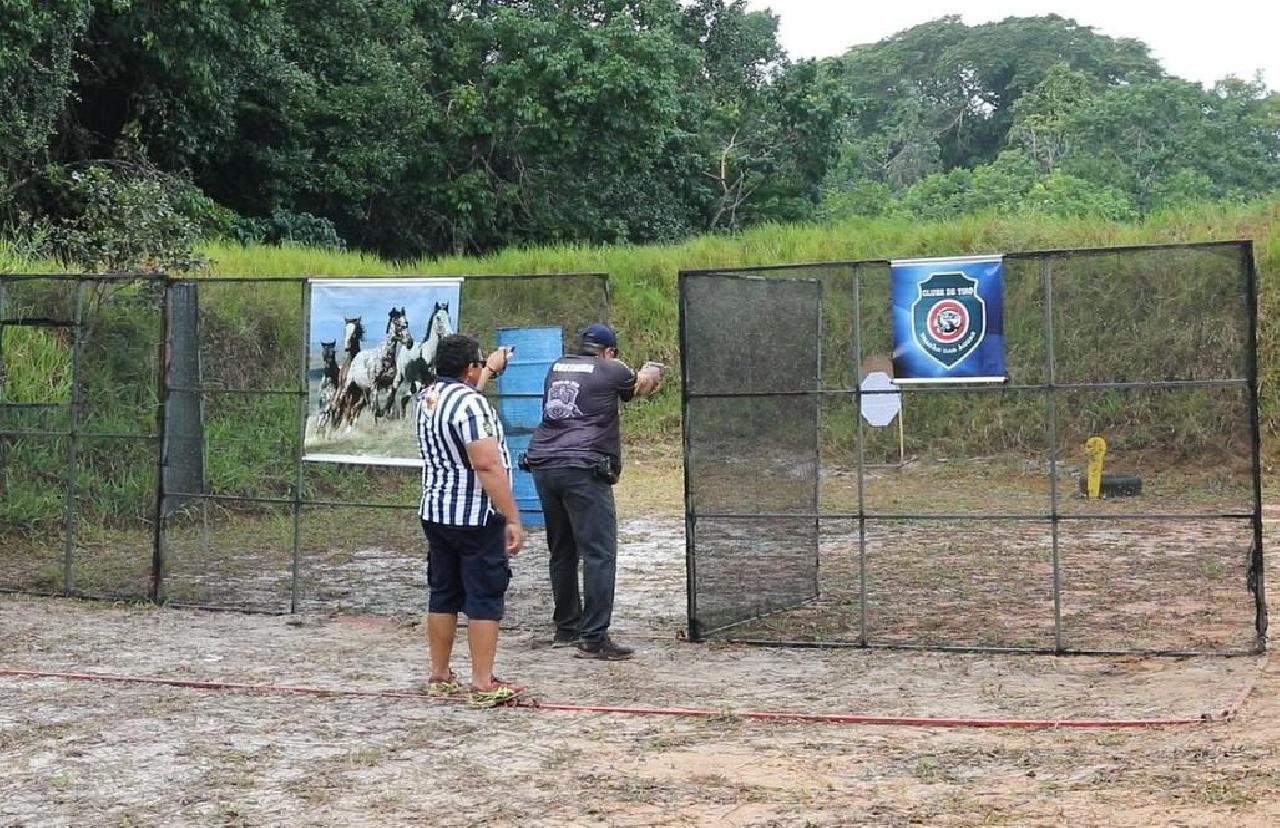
(452, 414)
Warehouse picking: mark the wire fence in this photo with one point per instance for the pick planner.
(963, 524)
(153, 433)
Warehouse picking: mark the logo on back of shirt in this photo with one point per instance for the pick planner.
(562, 400)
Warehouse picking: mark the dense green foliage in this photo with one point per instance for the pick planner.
(414, 127)
(1042, 113)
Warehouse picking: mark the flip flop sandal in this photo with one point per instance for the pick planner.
(451, 687)
(502, 693)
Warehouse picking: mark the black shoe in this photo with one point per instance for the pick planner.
(564, 639)
(606, 650)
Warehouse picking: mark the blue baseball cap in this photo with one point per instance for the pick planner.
(599, 334)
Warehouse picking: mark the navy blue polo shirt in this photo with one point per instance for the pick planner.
(580, 417)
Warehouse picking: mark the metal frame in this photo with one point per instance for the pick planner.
(296, 498)
(695, 631)
(1051, 389)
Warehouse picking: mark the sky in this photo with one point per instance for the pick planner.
(1198, 41)
(371, 300)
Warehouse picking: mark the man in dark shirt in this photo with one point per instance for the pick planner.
(576, 456)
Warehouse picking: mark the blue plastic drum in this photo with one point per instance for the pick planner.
(520, 386)
(522, 482)
(520, 403)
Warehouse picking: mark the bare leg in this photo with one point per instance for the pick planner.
(441, 627)
(482, 639)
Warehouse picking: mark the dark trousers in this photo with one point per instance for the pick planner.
(582, 524)
(467, 568)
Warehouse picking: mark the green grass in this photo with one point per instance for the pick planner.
(258, 322)
(45, 360)
(644, 278)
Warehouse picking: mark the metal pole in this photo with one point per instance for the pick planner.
(73, 442)
(1256, 577)
(817, 458)
(863, 631)
(162, 445)
(1051, 406)
(204, 442)
(4, 444)
(690, 514)
(902, 438)
(304, 399)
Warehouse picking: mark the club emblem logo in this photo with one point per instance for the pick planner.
(949, 319)
(562, 401)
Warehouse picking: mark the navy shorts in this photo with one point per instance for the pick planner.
(467, 568)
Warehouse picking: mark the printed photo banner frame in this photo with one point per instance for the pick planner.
(370, 348)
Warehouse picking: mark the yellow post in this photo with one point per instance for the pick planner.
(1096, 448)
(902, 440)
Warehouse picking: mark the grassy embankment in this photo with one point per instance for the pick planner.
(252, 322)
(644, 278)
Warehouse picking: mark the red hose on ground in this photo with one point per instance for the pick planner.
(1242, 696)
(695, 712)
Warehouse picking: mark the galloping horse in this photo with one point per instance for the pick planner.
(328, 385)
(374, 370)
(352, 336)
(416, 365)
(348, 402)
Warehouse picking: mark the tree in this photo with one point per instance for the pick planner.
(180, 70)
(766, 127)
(1041, 117)
(961, 82)
(1164, 139)
(37, 49)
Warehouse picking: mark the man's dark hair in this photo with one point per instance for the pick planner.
(454, 353)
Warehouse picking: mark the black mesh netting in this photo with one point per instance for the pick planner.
(751, 455)
(964, 521)
(244, 522)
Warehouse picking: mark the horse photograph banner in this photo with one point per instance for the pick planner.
(370, 348)
(948, 320)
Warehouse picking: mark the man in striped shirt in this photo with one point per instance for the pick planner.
(468, 511)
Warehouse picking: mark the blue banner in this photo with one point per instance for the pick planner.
(948, 320)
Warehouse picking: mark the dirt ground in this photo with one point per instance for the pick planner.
(124, 754)
(79, 753)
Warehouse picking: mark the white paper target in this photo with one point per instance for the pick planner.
(880, 409)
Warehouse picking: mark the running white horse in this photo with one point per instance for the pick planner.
(348, 399)
(416, 366)
(373, 370)
(352, 337)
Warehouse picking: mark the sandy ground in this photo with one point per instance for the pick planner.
(92, 753)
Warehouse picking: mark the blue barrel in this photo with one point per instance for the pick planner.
(520, 386)
(522, 482)
(520, 403)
